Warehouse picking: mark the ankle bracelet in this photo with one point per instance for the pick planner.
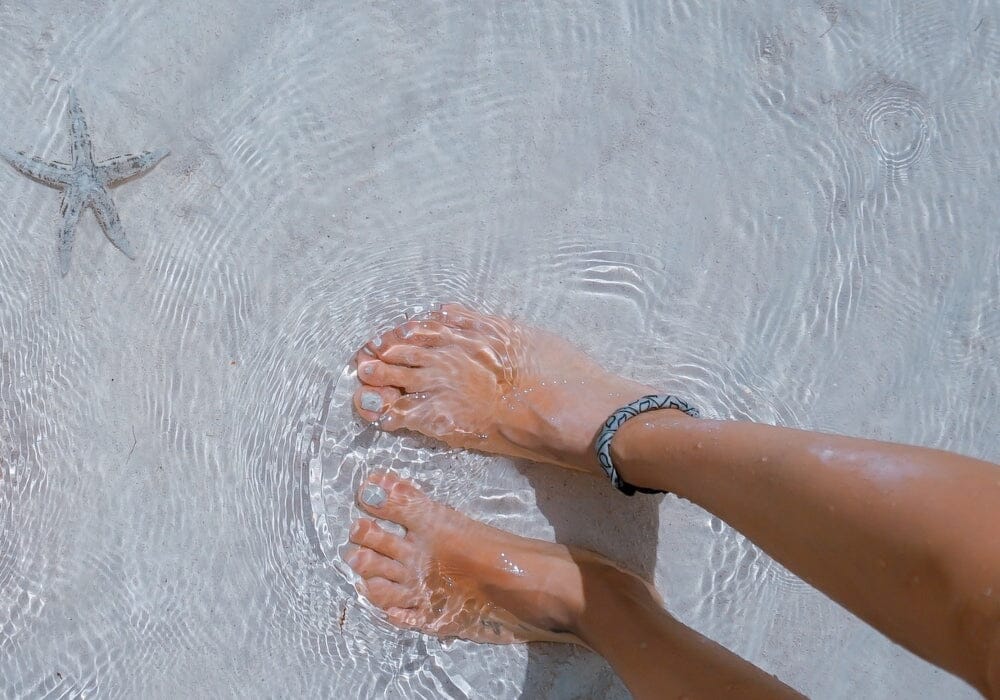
(615, 421)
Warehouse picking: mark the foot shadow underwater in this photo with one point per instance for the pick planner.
(588, 512)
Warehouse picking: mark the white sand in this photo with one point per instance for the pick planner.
(784, 211)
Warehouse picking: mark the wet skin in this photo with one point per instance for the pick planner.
(884, 529)
(487, 383)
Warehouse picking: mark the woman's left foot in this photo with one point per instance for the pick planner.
(452, 576)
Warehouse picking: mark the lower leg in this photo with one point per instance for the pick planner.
(657, 656)
(884, 529)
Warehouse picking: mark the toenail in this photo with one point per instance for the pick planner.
(373, 495)
(370, 401)
(377, 343)
(368, 370)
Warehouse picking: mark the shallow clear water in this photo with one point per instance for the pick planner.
(785, 211)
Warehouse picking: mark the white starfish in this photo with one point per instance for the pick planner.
(85, 183)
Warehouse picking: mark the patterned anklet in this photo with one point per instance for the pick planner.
(615, 421)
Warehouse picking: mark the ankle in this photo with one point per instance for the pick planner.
(607, 592)
(645, 448)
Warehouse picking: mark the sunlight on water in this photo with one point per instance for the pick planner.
(779, 210)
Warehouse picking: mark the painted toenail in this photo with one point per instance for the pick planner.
(373, 495)
(370, 401)
(368, 371)
(377, 343)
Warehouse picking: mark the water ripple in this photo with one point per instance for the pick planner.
(777, 209)
(304, 454)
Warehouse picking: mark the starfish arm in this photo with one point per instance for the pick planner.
(51, 173)
(107, 216)
(116, 170)
(72, 206)
(83, 150)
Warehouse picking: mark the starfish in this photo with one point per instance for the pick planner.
(85, 183)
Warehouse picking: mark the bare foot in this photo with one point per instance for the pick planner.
(503, 590)
(490, 384)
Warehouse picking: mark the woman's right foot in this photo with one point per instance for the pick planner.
(490, 384)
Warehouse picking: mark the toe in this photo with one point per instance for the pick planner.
(363, 355)
(398, 414)
(420, 412)
(367, 533)
(380, 342)
(387, 594)
(378, 374)
(409, 356)
(422, 332)
(372, 402)
(369, 564)
(392, 498)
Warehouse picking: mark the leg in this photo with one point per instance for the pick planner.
(902, 536)
(510, 589)
(884, 529)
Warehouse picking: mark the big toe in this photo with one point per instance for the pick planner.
(372, 402)
(395, 499)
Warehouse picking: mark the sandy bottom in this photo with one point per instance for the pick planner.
(783, 211)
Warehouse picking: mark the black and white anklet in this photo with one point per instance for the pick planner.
(615, 421)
